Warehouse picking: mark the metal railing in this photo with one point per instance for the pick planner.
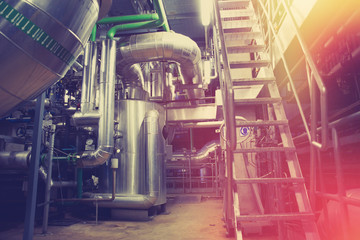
(313, 74)
(229, 115)
(315, 84)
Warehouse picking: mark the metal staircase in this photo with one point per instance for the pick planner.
(266, 172)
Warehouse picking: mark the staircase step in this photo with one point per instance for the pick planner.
(230, 14)
(239, 24)
(249, 64)
(276, 217)
(256, 101)
(268, 180)
(245, 49)
(252, 81)
(260, 123)
(233, 4)
(265, 149)
(242, 36)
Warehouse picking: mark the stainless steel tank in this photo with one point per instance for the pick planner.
(39, 41)
(140, 182)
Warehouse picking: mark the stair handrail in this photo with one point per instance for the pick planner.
(229, 117)
(315, 80)
(226, 85)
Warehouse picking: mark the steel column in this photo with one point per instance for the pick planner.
(33, 169)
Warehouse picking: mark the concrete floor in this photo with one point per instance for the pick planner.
(184, 220)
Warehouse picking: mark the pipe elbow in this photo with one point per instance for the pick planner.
(95, 158)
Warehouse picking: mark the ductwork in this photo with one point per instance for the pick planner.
(153, 168)
(106, 109)
(163, 46)
(201, 155)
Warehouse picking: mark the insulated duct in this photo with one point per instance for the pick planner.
(106, 109)
(163, 46)
(202, 154)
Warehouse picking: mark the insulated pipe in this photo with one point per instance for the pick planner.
(15, 160)
(152, 153)
(88, 116)
(202, 154)
(89, 77)
(133, 81)
(49, 181)
(164, 46)
(132, 75)
(106, 108)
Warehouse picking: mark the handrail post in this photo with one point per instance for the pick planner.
(313, 133)
(340, 185)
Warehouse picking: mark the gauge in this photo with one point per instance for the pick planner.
(89, 141)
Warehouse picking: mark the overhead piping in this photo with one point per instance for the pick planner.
(141, 23)
(163, 46)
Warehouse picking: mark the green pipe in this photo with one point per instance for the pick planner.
(79, 175)
(129, 18)
(61, 158)
(130, 26)
(161, 22)
(93, 34)
(159, 7)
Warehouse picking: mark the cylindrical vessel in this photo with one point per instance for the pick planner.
(39, 41)
(141, 159)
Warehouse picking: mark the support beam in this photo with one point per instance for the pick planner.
(33, 170)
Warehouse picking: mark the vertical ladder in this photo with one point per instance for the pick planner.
(246, 69)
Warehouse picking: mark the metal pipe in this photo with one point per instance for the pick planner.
(93, 34)
(159, 7)
(152, 153)
(335, 197)
(340, 185)
(318, 79)
(202, 154)
(15, 160)
(98, 198)
(313, 98)
(190, 156)
(106, 109)
(160, 22)
(129, 18)
(281, 51)
(88, 116)
(337, 123)
(79, 182)
(60, 184)
(163, 46)
(48, 179)
(89, 77)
